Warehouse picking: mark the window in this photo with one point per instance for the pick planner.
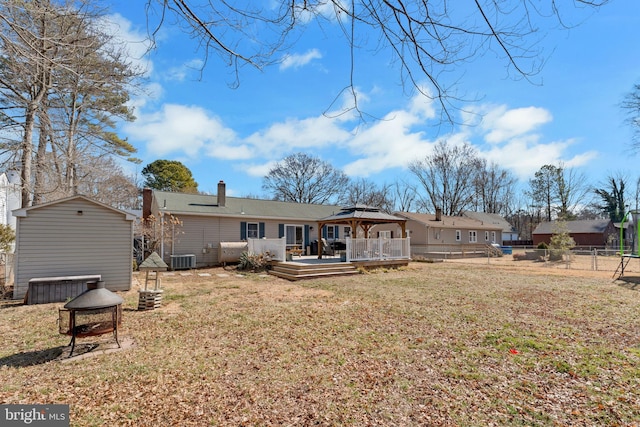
(347, 231)
(486, 236)
(385, 234)
(331, 232)
(458, 235)
(473, 236)
(252, 230)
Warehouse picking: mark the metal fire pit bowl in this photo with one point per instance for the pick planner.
(96, 311)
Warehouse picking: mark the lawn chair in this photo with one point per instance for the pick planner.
(326, 249)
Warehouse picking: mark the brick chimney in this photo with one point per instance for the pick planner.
(147, 196)
(222, 194)
(438, 214)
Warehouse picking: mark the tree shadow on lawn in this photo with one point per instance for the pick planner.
(39, 357)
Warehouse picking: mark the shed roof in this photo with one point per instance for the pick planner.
(23, 212)
(587, 226)
(207, 205)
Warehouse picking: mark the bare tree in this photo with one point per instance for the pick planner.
(62, 83)
(426, 40)
(104, 180)
(541, 189)
(631, 103)
(366, 192)
(302, 178)
(494, 189)
(448, 177)
(404, 196)
(573, 188)
(558, 190)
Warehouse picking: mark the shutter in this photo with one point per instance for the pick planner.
(324, 232)
(243, 230)
(261, 230)
(336, 232)
(306, 235)
(280, 230)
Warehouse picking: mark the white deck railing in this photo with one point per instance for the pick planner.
(277, 248)
(377, 249)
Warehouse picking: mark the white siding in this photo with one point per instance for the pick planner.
(55, 240)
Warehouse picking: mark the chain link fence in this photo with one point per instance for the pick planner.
(581, 259)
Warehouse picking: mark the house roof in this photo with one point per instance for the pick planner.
(23, 212)
(490, 218)
(455, 222)
(207, 205)
(587, 226)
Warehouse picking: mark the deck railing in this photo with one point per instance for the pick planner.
(276, 248)
(377, 249)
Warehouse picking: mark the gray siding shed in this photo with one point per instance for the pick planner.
(73, 236)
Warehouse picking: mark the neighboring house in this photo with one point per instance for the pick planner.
(586, 233)
(74, 236)
(10, 197)
(439, 233)
(207, 221)
(509, 234)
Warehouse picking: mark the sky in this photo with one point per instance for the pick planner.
(567, 113)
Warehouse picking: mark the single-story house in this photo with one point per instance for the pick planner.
(586, 233)
(74, 236)
(509, 233)
(431, 233)
(207, 221)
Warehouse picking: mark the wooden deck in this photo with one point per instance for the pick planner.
(308, 270)
(313, 268)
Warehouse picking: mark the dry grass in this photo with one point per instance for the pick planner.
(432, 344)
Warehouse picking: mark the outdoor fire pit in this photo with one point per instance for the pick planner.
(94, 312)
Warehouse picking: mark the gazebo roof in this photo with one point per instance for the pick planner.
(361, 214)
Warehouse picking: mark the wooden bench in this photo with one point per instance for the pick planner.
(43, 290)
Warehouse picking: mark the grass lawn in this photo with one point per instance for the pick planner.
(431, 344)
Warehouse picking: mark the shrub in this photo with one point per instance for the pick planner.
(253, 262)
(519, 257)
(7, 237)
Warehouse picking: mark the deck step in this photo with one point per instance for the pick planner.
(296, 271)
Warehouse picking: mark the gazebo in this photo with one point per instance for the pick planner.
(360, 217)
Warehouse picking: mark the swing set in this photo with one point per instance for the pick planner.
(625, 258)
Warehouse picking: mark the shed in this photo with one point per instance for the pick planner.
(75, 236)
(585, 233)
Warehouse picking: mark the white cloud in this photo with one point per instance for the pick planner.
(136, 43)
(257, 170)
(296, 134)
(299, 60)
(401, 137)
(186, 129)
(503, 124)
(181, 72)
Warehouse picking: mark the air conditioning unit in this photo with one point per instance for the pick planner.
(183, 262)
